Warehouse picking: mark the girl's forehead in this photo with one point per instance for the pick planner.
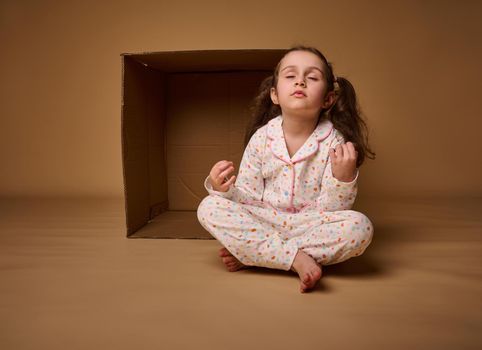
(301, 58)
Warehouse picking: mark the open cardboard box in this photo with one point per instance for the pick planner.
(182, 111)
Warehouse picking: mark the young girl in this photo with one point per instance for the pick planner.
(289, 208)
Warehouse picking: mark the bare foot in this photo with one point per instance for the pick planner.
(308, 270)
(231, 262)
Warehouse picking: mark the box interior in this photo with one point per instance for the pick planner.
(182, 111)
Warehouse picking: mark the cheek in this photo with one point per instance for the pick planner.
(283, 92)
(319, 94)
(283, 88)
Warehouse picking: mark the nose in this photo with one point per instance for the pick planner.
(302, 82)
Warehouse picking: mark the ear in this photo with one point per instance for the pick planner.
(330, 99)
(274, 97)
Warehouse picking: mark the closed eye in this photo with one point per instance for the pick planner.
(292, 76)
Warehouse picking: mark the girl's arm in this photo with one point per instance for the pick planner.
(335, 194)
(249, 184)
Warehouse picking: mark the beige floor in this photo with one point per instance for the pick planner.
(70, 279)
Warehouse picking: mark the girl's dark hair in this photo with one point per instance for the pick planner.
(345, 114)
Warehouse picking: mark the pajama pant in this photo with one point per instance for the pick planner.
(260, 235)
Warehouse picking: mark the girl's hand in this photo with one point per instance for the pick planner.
(343, 162)
(218, 176)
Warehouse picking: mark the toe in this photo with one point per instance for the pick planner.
(233, 267)
(223, 252)
(309, 280)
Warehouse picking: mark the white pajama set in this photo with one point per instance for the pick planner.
(279, 204)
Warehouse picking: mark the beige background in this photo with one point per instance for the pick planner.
(414, 64)
(71, 279)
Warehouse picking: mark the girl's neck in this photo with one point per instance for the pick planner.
(298, 127)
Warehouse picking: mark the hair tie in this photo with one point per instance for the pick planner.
(335, 83)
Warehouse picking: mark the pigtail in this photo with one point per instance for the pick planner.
(346, 117)
(262, 109)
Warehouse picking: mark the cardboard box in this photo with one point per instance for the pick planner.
(182, 111)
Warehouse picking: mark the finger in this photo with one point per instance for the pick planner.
(351, 150)
(332, 154)
(339, 150)
(222, 165)
(225, 173)
(222, 175)
(346, 152)
(220, 168)
(227, 182)
(215, 177)
(219, 164)
(230, 181)
(226, 185)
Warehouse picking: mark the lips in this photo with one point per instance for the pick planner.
(298, 93)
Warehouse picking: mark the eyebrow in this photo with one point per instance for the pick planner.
(309, 68)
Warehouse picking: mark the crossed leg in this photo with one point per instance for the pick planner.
(261, 237)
